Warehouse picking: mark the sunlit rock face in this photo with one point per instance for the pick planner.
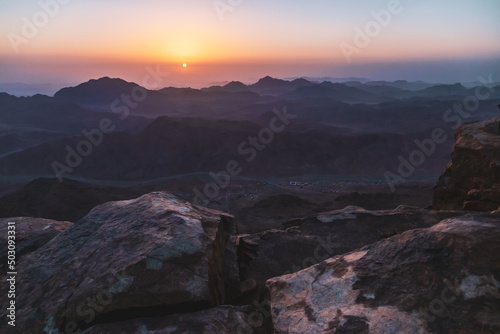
(310, 240)
(442, 279)
(471, 180)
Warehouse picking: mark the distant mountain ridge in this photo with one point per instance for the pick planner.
(102, 90)
(106, 89)
(208, 124)
(174, 146)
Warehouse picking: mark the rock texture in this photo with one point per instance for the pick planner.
(158, 264)
(471, 180)
(442, 279)
(313, 239)
(218, 320)
(154, 255)
(31, 234)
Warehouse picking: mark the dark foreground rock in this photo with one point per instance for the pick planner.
(471, 180)
(154, 255)
(218, 320)
(313, 239)
(30, 234)
(443, 279)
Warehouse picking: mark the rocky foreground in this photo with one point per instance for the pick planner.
(472, 178)
(442, 279)
(159, 264)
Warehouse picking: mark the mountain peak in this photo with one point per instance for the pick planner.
(4, 95)
(269, 80)
(235, 85)
(98, 90)
(106, 81)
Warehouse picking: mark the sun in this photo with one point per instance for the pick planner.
(184, 65)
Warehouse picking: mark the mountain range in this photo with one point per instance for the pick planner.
(354, 128)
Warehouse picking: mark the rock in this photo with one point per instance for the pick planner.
(278, 252)
(471, 180)
(220, 320)
(152, 255)
(30, 234)
(442, 279)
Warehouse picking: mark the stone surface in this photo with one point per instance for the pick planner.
(442, 279)
(316, 238)
(152, 255)
(471, 180)
(218, 320)
(30, 234)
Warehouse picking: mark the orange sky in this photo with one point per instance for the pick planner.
(86, 39)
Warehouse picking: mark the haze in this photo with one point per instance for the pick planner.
(445, 41)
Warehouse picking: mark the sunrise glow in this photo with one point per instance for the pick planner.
(245, 42)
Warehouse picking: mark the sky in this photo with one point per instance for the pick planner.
(55, 43)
